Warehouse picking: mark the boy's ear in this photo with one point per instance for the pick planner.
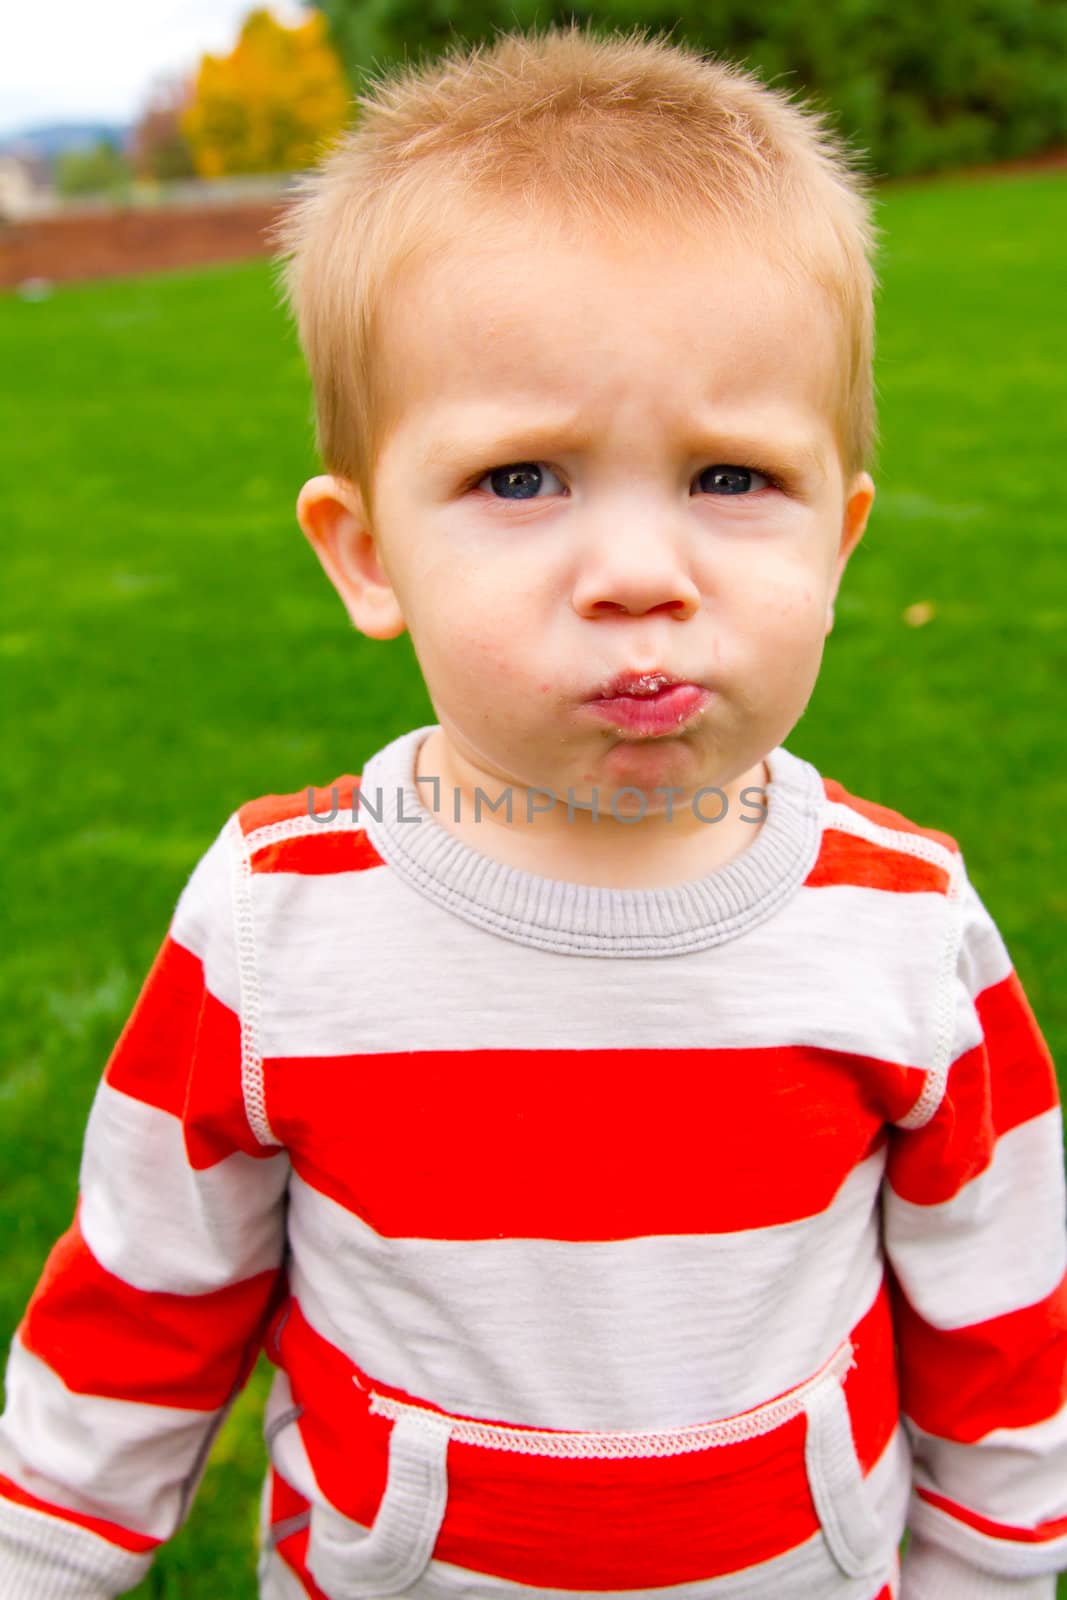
(333, 518)
(857, 510)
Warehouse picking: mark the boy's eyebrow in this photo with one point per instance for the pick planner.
(789, 454)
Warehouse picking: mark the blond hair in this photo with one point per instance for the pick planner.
(607, 132)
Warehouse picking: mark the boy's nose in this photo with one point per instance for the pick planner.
(632, 570)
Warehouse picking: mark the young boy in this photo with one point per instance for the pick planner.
(593, 1110)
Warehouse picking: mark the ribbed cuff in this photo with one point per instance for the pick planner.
(48, 1558)
(930, 1572)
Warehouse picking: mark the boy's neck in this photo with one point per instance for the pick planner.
(651, 853)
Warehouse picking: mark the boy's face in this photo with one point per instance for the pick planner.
(618, 381)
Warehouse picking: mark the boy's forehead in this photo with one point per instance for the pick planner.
(687, 323)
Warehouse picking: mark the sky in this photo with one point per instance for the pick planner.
(75, 60)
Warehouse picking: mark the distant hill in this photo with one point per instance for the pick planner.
(48, 140)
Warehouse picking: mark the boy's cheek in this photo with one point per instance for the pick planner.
(475, 661)
(786, 601)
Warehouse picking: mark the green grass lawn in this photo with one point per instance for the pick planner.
(171, 648)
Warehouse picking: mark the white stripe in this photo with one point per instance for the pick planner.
(279, 1582)
(287, 1450)
(653, 1332)
(154, 1221)
(118, 1459)
(644, 1444)
(984, 958)
(1013, 1475)
(997, 1245)
(340, 938)
(1009, 1558)
(203, 922)
(49, 1556)
(802, 1573)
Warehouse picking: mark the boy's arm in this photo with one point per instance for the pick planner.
(151, 1309)
(976, 1237)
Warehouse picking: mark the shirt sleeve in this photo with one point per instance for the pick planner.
(152, 1307)
(975, 1232)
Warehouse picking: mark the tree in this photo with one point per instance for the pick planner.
(369, 34)
(100, 169)
(160, 148)
(271, 104)
(918, 85)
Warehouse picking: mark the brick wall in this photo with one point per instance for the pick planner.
(105, 244)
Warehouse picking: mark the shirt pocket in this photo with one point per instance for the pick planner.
(843, 1503)
(350, 1562)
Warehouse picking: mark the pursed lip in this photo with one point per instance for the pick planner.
(640, 684)
(649, 705)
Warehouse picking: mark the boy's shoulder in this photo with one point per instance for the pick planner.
(884, 816)
(317, 829)
(865, 841)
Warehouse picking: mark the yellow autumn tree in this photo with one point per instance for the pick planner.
(271, 104)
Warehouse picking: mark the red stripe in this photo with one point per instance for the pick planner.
(1021, 1071)
(1043, 1533)
(345, 850)
(845, 859)
(1008, 1372)
(1003, 1082)
(285, 1501)
(636, 1141)
(152, 1056)
(125, 1538)
(885, 817)
(270, 808)
(102, 1337)
(594, 1525)
(180, 1051)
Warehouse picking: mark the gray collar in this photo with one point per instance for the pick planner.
(583, 919)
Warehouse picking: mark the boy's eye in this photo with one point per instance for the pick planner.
(520, 480)
(731, 480)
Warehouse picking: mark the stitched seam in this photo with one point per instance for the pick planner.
(843, 819)
(932, 1092)
(296, 827)
(248, 969)
(936, 1081)
(625, 1446)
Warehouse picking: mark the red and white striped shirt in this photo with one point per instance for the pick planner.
(691, 1240)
